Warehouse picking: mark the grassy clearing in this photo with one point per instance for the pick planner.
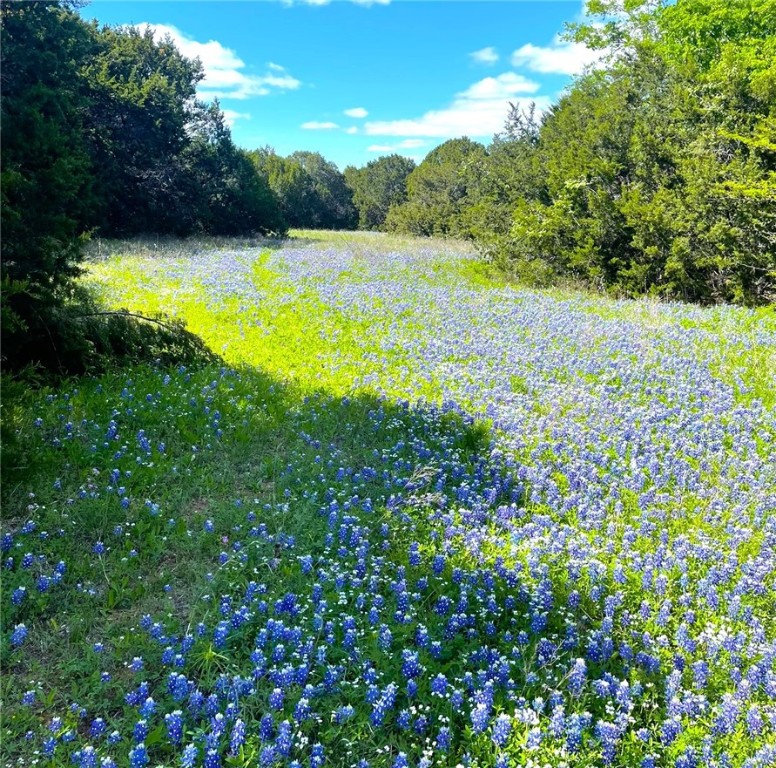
(561, 453)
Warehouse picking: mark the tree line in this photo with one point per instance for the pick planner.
(655, 173)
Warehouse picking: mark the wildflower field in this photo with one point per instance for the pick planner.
(414, 516)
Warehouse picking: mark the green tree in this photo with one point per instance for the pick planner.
(46, 169)
(142, 100)
(311, 191)
(165, 162)
(377, 186)
(440, 189)
(513, 171)
(225, 193)
(329, 199)
(288, 182)
(660, 169)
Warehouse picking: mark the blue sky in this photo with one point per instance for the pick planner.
(356, 80)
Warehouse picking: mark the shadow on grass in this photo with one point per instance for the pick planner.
(178, 473)
(77, 340)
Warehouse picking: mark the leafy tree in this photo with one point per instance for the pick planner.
(225, 195)
(101, 130)
(165, 162)
(141, 103)
(330, 199)
(440, 189)
(659, 170)
(513, 171)
(377, 186)
(311, 190)
(46, 169)
(288, 182)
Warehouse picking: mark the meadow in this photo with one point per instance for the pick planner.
(414, 515)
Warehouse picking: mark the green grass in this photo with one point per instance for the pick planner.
(296, 381)
(199, 477)
(296, 362)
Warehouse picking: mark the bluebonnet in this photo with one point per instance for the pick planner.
(97, 728)
(19, 635)
(138, 756)
(189, 756)
(502, 727)
(174, 724)
(140, 731)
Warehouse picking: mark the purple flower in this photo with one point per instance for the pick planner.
(189, 756)
(19, 635)
(276, 699)
(174, 724)
(502, 727)
(480, 717)
(237, 738)
(138, 756)
(18, 595)
(140, 731)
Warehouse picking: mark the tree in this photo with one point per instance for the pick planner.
(141, 103)
(226, 195)
(513, 171)
(101, 131)
(440, 189)
(311, 190)
(657, 173)
(330, 199)
(377, 186)
(46, 169)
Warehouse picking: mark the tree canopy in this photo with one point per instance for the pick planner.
(377, 186)
(440, 190)
(311, 190)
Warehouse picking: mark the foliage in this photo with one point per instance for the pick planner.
(141, 93)
(657, 173)
(330, 199)
(440, 189)
(311, 190)
(46, 171)
(377, 186)
(165, 162)
(513, 169)
(225, 192)
(101, 131)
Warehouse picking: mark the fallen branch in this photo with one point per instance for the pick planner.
(127, 314)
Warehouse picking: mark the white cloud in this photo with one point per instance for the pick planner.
(485, 55)
(405, 144)
(478, 111)
(223, 68)
(230, 116)
(351, 130)
(503, 86)
(315, 125)
(558, 58)
(356, 112)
